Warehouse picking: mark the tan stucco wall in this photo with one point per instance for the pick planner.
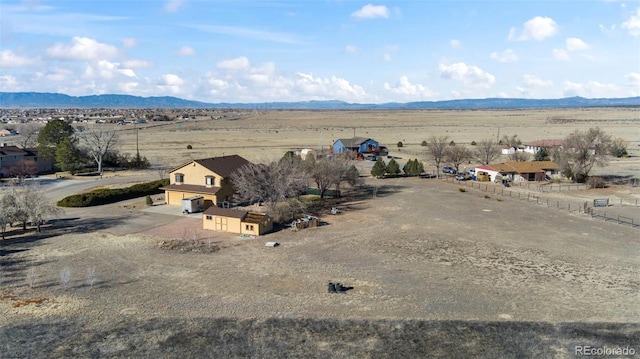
(195, 173)
(234, 225)
(265, 226)
(217, 223)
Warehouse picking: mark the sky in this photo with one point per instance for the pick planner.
(243, 51)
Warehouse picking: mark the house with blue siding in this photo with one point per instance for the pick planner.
(359, 145)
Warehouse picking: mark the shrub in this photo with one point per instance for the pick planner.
(423, 144)
(486, 196)
(452, 143)
(105, 196)
(462, 190)
(400, 144)
(189, 147)
(473, 143)
(148, 200)
(596, 182)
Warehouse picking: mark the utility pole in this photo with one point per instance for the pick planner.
(135, 126)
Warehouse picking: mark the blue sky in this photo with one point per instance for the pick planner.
(354, 51)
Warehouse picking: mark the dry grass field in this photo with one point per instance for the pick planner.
(436, 271)
(266, 136)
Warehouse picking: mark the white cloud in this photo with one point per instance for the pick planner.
(371, 12)
(171, 80)
(576, 44)
(469, 75)
(8, 82)
(537, 28)
(186, 51)
(239, 63)
(129, 42)
(351, 49)
(561, 54)
(532, 81)
(106, 70)
(171, 83)
(633, 78)
(404, 87)
(633, 24)
(328, 88)
(135, 64)
(595, 89)
(82, 48)
(9, 58)
(58, 75)
(507, 55)
(454, 43)
(173, 6)
(387, 57)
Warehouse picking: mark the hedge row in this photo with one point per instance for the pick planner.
(102, 196)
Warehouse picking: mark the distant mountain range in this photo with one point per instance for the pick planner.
(57, 100)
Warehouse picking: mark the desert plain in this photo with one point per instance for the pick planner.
(435, 270)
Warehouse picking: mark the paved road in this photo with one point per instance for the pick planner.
(58, 188)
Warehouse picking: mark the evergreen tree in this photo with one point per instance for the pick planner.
(51, 136)
(542, 155)
(352, 176)
(393, 167)
(409, 167)
(68, 157)
(379, 168)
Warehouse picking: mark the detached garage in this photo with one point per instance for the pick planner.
(236, 221)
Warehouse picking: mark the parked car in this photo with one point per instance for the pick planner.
(448, 169)
(463, 177)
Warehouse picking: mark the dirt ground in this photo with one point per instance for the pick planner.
(420, 249)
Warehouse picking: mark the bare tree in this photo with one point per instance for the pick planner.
(327, 173)
(583, 150)
(437, 147)
(31, 205)
(457, 155)
(519, 156)
(28, 134)
(22, 169)
(98, 141)
(269, 183)
(487, 151)
(7, 212)
(619, 147)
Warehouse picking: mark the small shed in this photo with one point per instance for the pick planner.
(192, 204)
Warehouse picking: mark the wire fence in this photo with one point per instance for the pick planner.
(533, 196)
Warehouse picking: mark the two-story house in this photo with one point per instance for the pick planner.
(208, 177)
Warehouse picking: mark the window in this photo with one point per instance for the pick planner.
(209, 218)
(210, 180)
(248, 227)
(179, 178)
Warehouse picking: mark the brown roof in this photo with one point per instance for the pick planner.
(225, 212)
(223, 166)
(11, 150)
(191, 188)
(254, 217)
